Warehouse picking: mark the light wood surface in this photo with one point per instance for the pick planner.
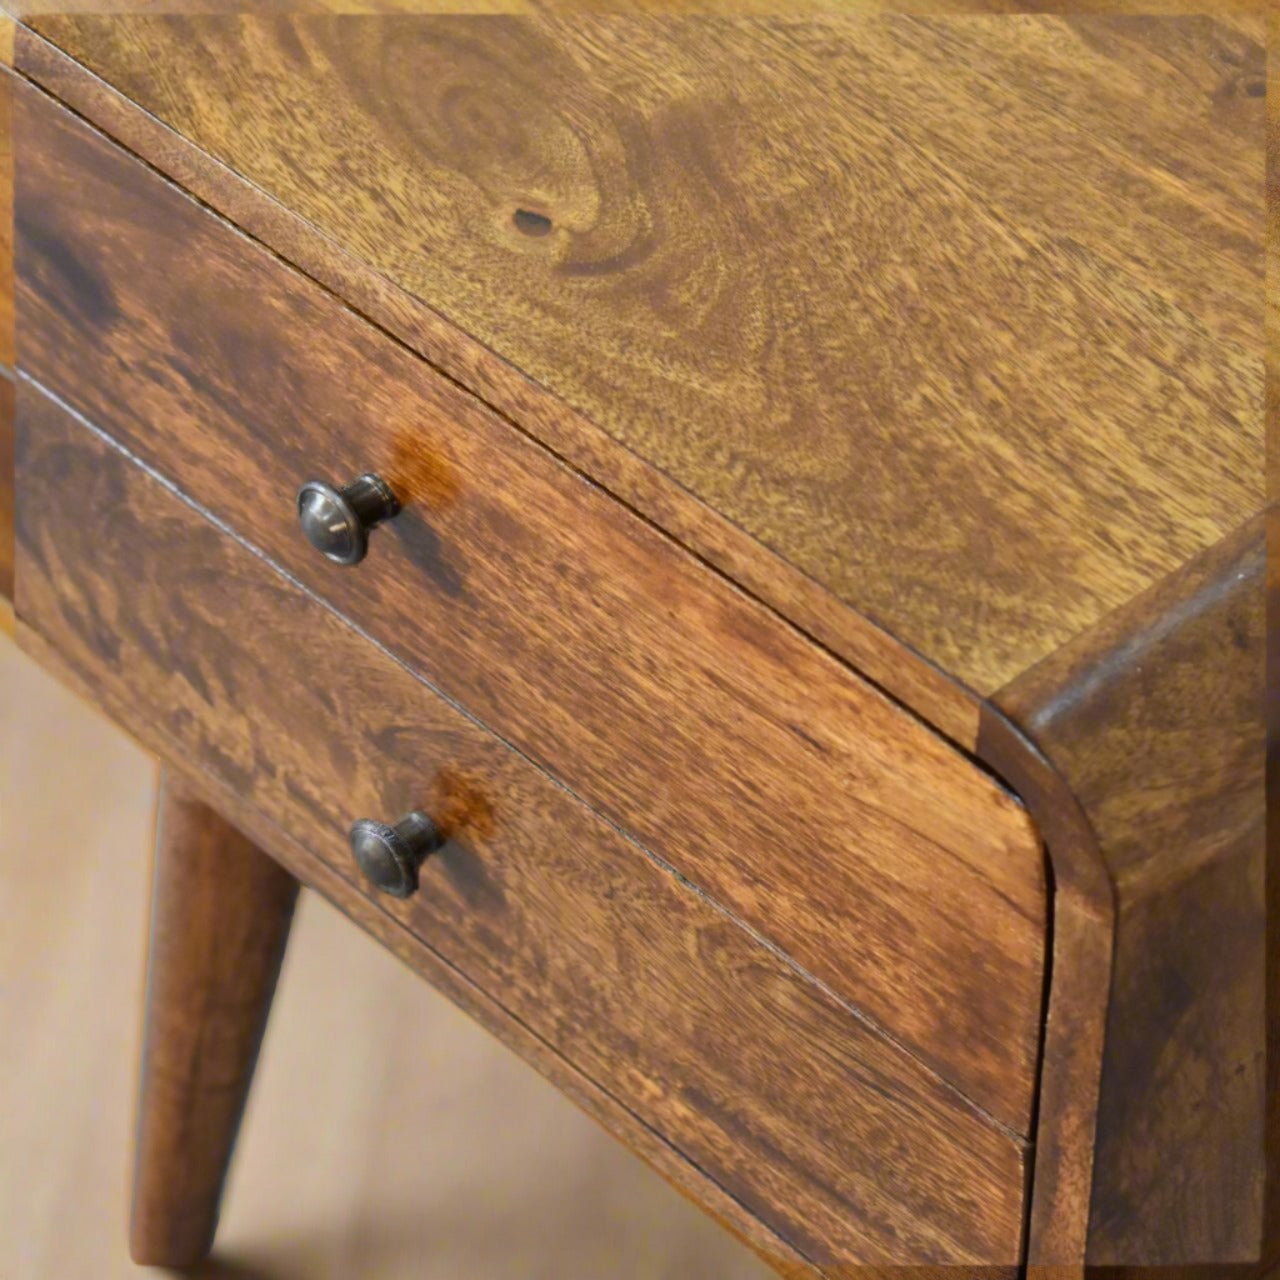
(754, 764)
(1239, 15)
(831, 1136)
(442, 1155)
(1015, 416)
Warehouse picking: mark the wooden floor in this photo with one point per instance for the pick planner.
(439, 1155)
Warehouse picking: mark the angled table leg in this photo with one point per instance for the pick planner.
(220, 919)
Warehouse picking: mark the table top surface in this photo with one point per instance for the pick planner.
(961, 317)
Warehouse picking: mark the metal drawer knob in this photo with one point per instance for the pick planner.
(337, 521)
(390, 856)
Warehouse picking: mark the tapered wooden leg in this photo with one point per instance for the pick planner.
(219, 922)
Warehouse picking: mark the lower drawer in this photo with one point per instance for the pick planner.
(839, 1141)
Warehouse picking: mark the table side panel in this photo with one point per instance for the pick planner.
(1156, 721)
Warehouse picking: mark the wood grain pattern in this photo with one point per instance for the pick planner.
(220, 918)
(1209, 72)
(6, 488)
(836, 1139)
(391, 934)
(758, 767)
(1174, 682)
(1091, 407)
(1272, 321)
(869, 648)
(7, 352)
(6, 320)
(1077, 1000)
(1238, 15)
(408, 1178)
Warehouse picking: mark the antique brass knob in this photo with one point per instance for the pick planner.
(337, 521)
(390, 856)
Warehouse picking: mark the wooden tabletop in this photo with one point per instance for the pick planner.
(961, 317)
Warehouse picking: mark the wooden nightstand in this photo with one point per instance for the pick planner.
(776, 629)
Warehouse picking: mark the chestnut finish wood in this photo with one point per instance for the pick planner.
(756, 765)
(6, 317)
(838, 1141)
(1099, 287)
(860, 642)
(1075, 1017)
(390, 933)
(1040, 391)
(220, 919)
(1176, 680)
(6, 487)
(1235, 15)
(1271, 1189)
(8, 356)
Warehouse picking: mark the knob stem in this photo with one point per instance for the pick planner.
(371, 499)
(418, 832)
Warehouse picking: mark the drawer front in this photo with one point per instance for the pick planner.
(818, 812)
(840, 1141)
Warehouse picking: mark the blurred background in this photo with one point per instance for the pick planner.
(387, 1136)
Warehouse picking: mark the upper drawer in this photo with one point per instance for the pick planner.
(818, 812)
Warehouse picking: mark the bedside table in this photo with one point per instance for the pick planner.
(734, 546)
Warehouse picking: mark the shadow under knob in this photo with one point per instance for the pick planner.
(390, 855)
(337, 521)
